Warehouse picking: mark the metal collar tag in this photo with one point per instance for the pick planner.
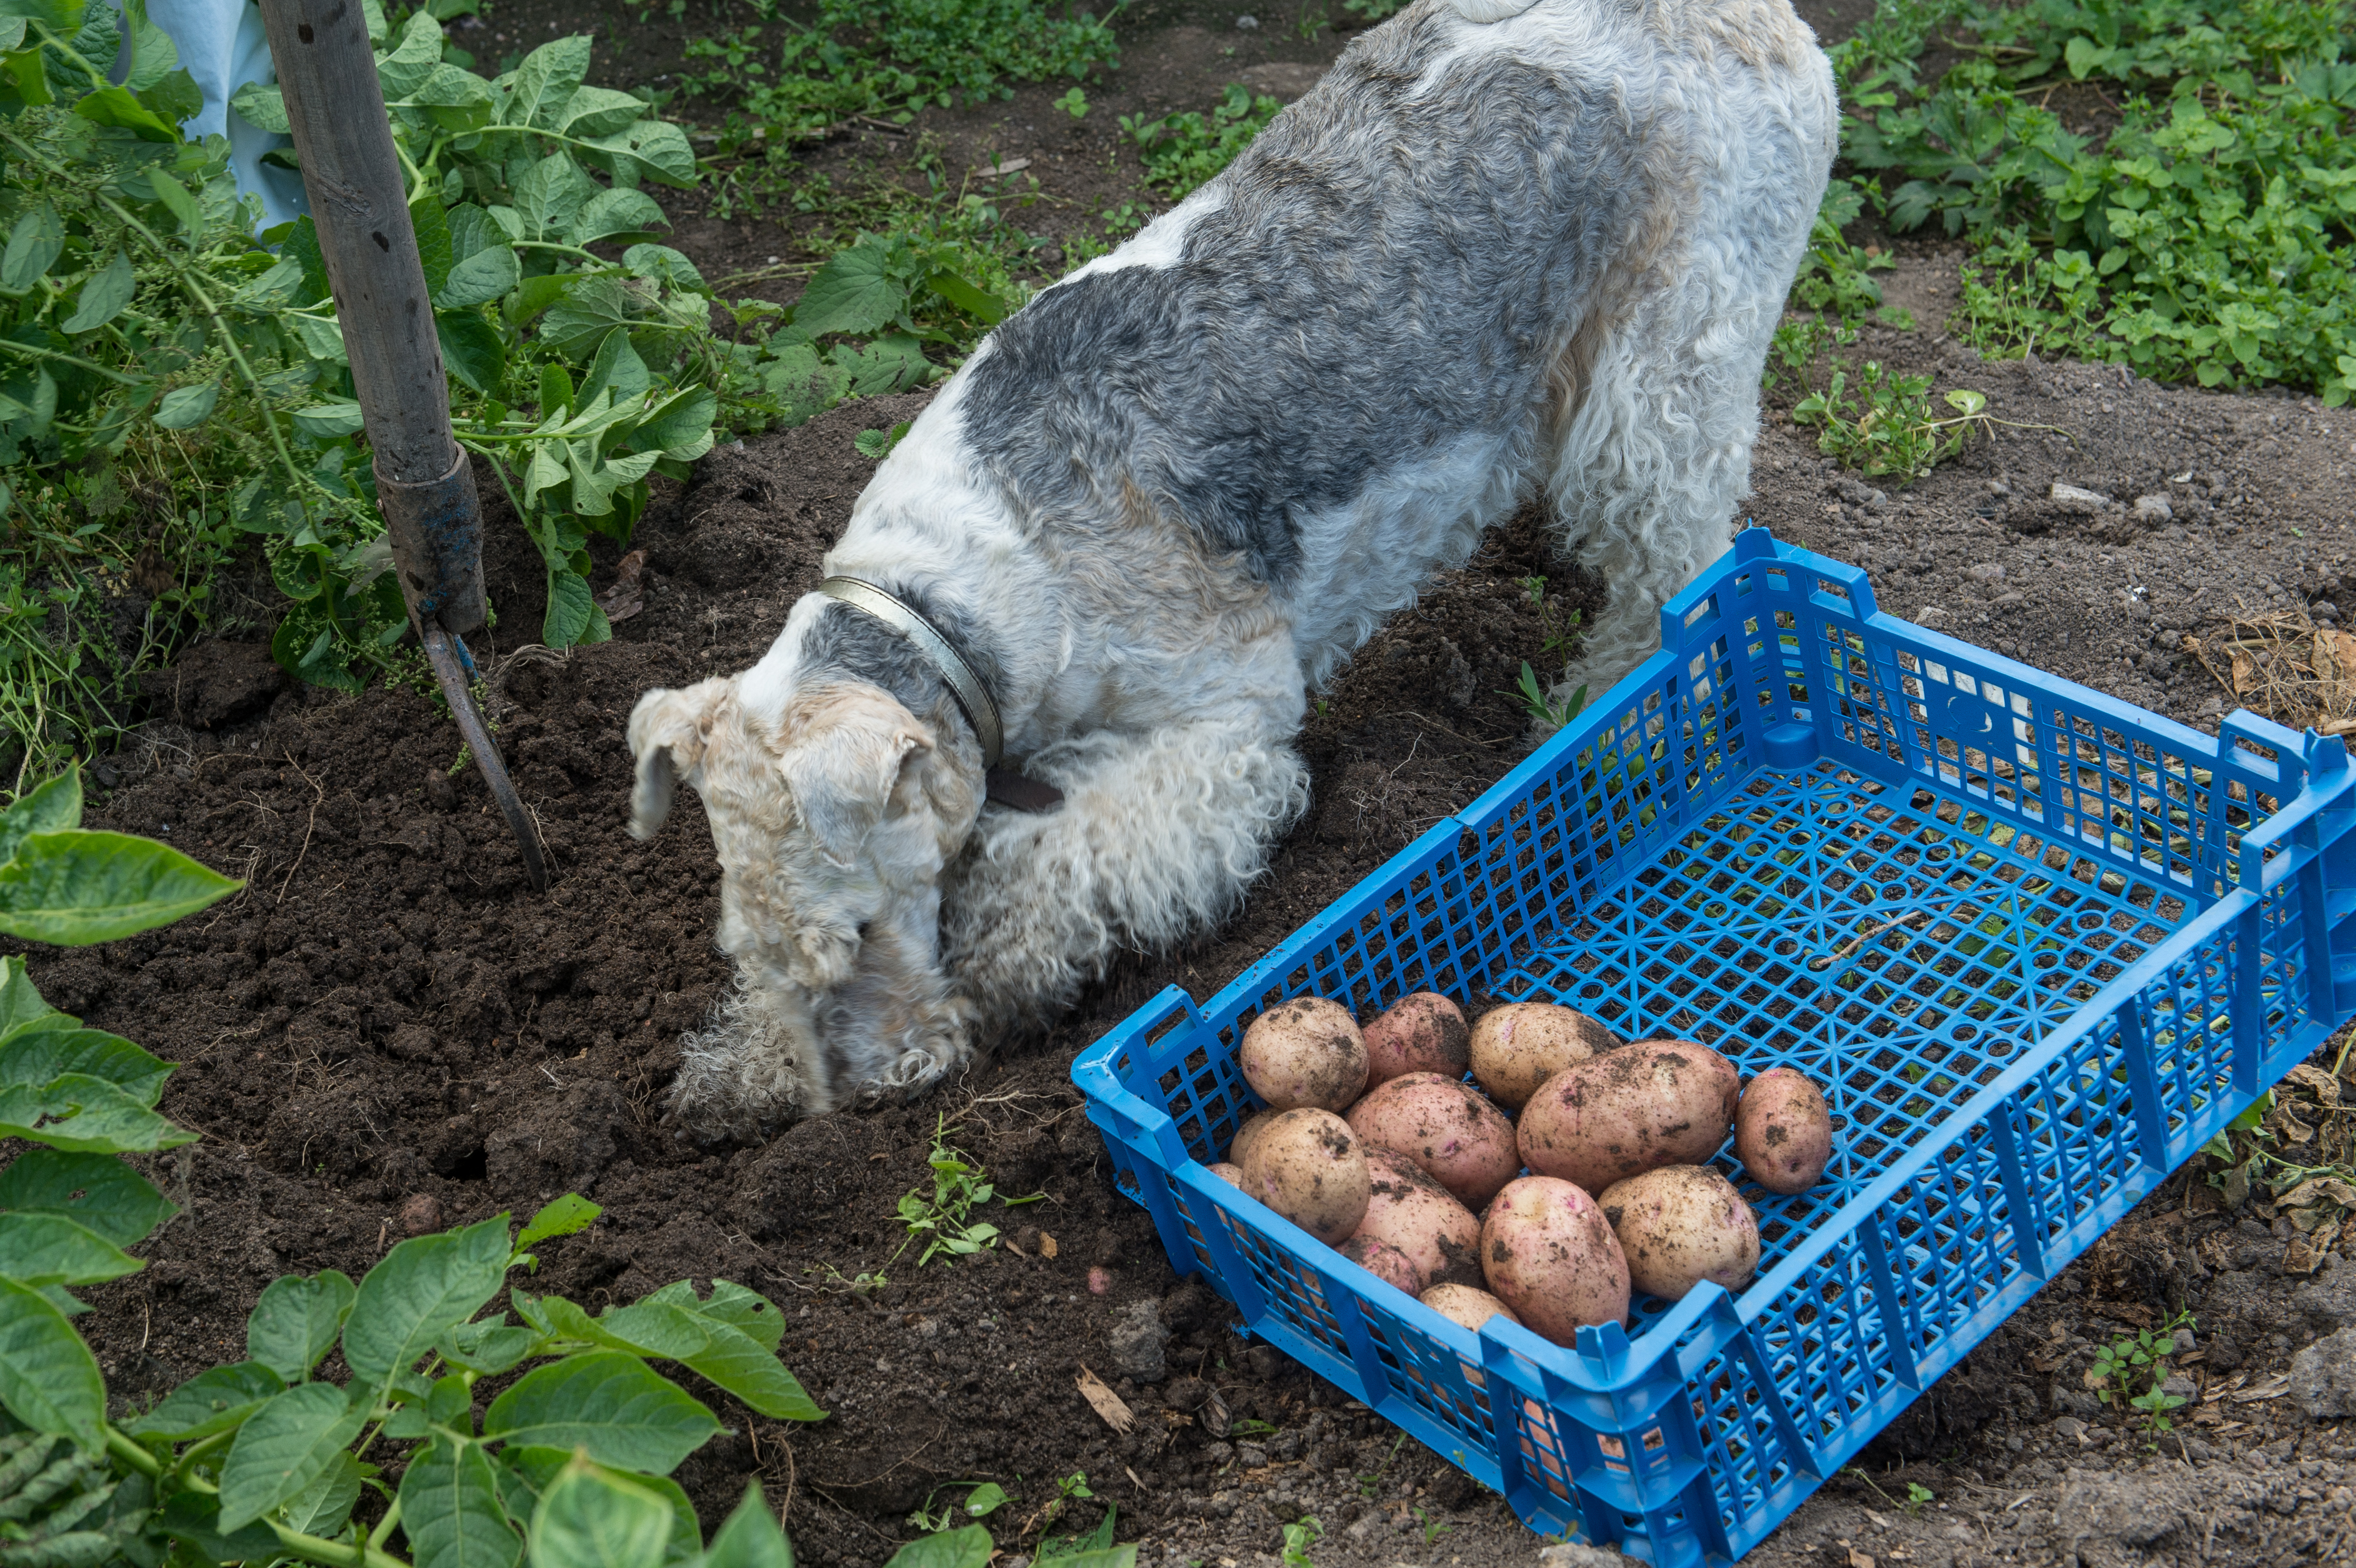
(973, 699)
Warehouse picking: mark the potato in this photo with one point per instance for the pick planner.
(1233, 1175)
(1305, 1052)
(1385, 1261)
(1550, 1255)
(1309, 1166)
(1240, 1146)
(1409, 1210)
(1447, 1127)
(1637, 1108)
(1680, 1225)
(1463, 1305)
(1784, 1131)
(1424, 1033)
(1519, 1046)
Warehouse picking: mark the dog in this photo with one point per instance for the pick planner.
(1506, 249)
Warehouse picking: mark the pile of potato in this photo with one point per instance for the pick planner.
(1374, 1143)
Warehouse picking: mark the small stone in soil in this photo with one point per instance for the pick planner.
(421, 1214)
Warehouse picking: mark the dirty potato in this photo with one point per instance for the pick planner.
(1308, 1165)
(1233, 1175)
(1425, 1032)
(1305, 1052)
(1447, 1127)
(1466, 1305)
(1680, 1225)
(1409, 1210)
(1550, 1255)
(1385, 1261)
(1656, 1102)
(1518, 1046)
(1784, 1131)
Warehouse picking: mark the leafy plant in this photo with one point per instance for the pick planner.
(2208, 237)
(2124, 1364)
(1885, 425)
(945, 1220)
(1542, 708)
(1073, 102)
(1183, 151)
(1432, 1529)
(68, 886)
(1299, 1536)
(980, 1502)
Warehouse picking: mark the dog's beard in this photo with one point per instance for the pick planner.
(893, 1026)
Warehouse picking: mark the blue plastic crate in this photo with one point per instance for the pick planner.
(2037, 945)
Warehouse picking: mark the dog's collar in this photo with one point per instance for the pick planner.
(966, 686)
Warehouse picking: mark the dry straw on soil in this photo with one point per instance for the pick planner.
(2284, 666)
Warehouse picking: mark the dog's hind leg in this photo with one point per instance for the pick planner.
(1661, 403)
(1158, 836)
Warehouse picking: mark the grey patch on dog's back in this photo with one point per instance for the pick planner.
(1390, 271)
(849, 641)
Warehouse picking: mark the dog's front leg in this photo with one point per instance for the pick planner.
(1158, 836)
(894, 1030)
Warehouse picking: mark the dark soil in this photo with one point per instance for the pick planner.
(386, 1032)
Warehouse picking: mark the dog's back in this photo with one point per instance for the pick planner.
(1340, 361)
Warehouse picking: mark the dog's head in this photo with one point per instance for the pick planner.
(834, 820)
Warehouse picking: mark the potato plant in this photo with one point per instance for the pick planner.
(271, 1457)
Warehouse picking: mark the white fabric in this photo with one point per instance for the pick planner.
(222, 47)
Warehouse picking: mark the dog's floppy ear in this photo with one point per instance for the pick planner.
(847, 759)
(667, 731)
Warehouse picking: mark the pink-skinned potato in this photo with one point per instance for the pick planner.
(1309, 1166)
(1233, 1175)
(1784, 1131)
(1680, 1225)
(1385, 1261)
(1447, 1127)
(1467, 1305)
(1239, 1146)
(1306, 1053)
(1550, 1255)
(1409, 1210)
(1424, 1032)
(1520, 1045)
(1640, 1107)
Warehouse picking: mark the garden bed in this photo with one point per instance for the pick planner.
(387, 1033)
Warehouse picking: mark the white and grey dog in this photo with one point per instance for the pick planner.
(1506, 248)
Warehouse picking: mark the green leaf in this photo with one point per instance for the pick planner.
(552, 194)
(570, 606)
(84, 1114)
(77, 888)
(102, 297)
(48, 1380)
(664, 265)
(566, 1216)
(595, 111)
(968, 298)
(481, 277)
(616, 368)
(591, 308)
(175, 96)
(413, 59)
(487, 1348)
(850, 293)
(1966, 402)
(747, 1310)
(590, 1518)
(33, 246)
(435, 253)
(262, 105)
(175, 197)
(732, 1359)
(422, 1286)
(194, 1518)
(609, 1403)
(325, 422)
(614, 212)
(750, 1537)
(652, 148)
(47, 1249)
(43, 1056)
(212, 1401)
(679, 421)
(49, 808)
(472, 349)
(646, 1328)
(283, 1447)
(984, 1500)
(185, 408)
(450, 1510)
(297, 1321)
(21, 1007)
(542, 85)
(321, 1508)
(966, 1548)
(96, 1191)
(118, 106)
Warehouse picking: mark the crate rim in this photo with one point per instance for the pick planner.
(1606, 1361)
